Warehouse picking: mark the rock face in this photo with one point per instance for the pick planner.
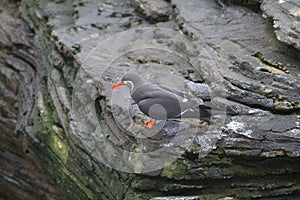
(75, 138)
(287, 25)
(22, 175)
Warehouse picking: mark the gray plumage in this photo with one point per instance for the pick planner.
(161, 102)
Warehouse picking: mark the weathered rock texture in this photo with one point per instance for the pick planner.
(22, 174)
(70, 127)
(287, 25)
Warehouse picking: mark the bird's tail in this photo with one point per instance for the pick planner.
(203, 112)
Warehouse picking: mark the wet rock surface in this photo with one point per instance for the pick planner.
(285, 16)
(154, 11)
(239, 56)
(22, 175)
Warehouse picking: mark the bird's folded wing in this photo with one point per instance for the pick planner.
(177, 92)
(185, 98)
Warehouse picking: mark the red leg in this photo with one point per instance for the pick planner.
(149, 123)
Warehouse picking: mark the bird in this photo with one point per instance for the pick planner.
(160, 102)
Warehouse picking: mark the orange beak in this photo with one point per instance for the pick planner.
(117, 84)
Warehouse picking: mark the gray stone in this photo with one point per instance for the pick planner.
(85, 139)
(154, 11)
(199, 90)
(285, 16)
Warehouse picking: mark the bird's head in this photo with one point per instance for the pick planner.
(131, 80)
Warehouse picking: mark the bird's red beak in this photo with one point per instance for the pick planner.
(117, 84)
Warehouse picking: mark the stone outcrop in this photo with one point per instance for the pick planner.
(22, 174)
(84, 141)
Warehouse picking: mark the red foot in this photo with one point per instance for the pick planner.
(149, 123)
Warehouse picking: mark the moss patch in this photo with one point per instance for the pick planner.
(176, 170)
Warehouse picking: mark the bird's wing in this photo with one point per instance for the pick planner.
(177, 92)
(173, 101)
(187, 100)
(159, 104)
